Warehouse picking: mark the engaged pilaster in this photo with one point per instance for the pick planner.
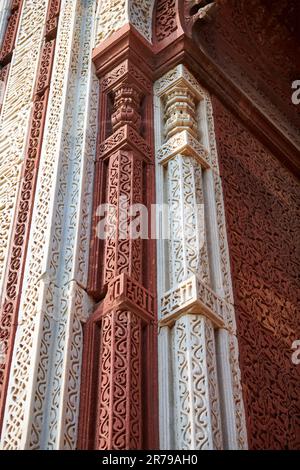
(120, 336)
(194, 305)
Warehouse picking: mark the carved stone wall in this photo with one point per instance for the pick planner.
(43, 391)
(263, 220)
(118, 400)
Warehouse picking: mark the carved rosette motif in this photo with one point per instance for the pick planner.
(120, 335)
(194, 282)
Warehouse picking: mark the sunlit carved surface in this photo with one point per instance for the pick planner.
(262, 209)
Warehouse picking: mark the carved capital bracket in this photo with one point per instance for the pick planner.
(185, 144)
(125, 138)
(125, 293)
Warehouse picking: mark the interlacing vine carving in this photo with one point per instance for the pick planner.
(261, 202)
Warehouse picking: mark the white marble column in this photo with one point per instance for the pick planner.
(4, 13)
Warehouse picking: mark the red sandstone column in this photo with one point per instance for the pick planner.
(118, 400)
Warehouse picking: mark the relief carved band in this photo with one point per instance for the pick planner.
(192, 289)
(119, 346)
(10, 33)
(15, 114)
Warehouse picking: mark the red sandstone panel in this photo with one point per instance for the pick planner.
(12, 287)
(263, 222)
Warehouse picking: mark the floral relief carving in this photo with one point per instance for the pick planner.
(165, 19)
(262, 215)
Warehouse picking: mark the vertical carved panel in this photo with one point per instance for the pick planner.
(10, 33)
(123, 254)
(194, 286)
(165, 19)
(188, 250)
(21, 226)
(53, 299)
(8, 44)
(261, 202)
(197, 417)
